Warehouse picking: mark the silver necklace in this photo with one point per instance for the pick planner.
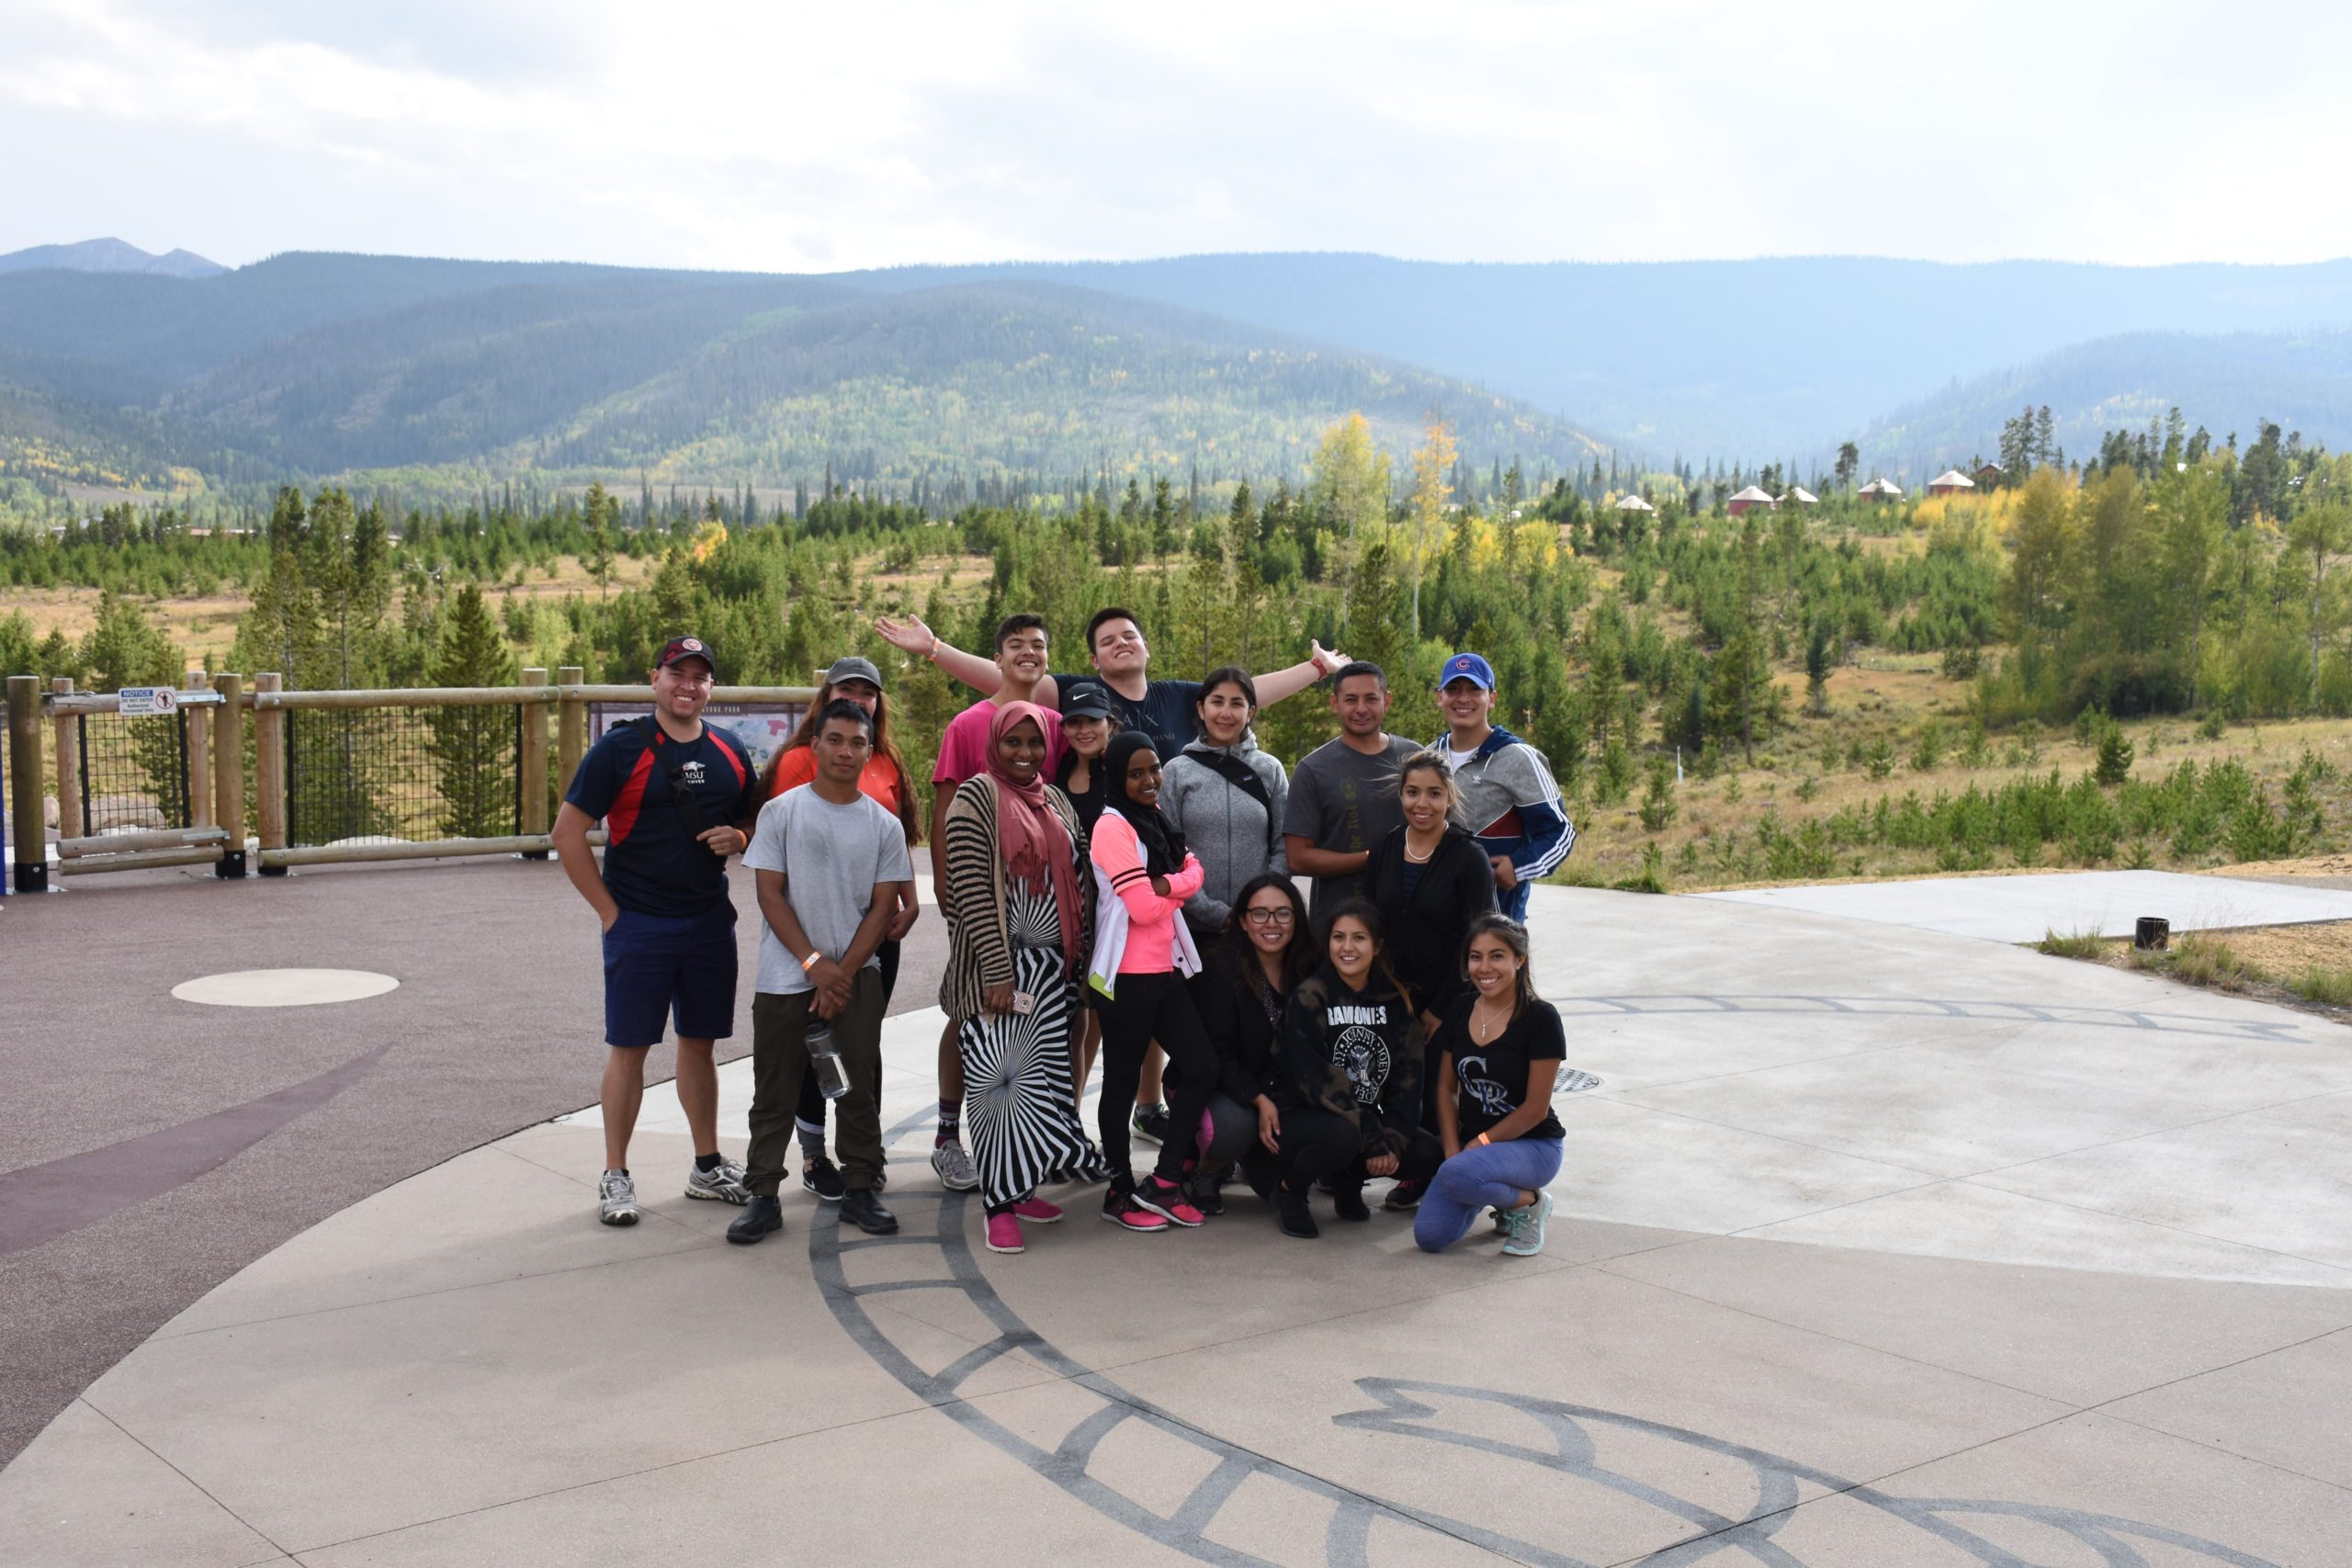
(1490, 1030)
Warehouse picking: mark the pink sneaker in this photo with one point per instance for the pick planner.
(1037, 1210)
(1122, 1210)
(1161, 1199)
(1005, 1233)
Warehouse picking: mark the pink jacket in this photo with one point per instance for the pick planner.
(1151, 919)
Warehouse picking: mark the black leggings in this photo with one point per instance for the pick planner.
(1150, 1008)
(1317, 1143)
(811, 1111)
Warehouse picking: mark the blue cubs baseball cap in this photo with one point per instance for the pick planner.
(1466, 667)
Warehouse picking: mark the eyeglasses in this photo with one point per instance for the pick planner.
(1269, 916)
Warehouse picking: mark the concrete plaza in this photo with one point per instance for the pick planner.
(1875, 1246)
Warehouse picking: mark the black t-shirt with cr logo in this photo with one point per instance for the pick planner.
(652, 865)
(1492, 1079)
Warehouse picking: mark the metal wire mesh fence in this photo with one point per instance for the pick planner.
(134, 771)
(380, 774)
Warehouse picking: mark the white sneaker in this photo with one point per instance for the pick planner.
(954, 1167)
(723, 1183)
(617, 1199)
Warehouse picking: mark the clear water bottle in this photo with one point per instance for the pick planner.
(832, 1077)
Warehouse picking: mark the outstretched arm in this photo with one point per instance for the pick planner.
(1276, 685)
(913, 636)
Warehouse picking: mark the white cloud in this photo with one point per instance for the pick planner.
(792, 137)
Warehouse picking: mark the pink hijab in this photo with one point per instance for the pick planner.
(1034, 843)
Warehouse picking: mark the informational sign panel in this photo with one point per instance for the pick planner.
(148, 702)
(762, 727)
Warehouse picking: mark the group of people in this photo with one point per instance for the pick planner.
(1115, 858)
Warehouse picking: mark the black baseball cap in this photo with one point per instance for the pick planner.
(679, 648)
(1086, 700)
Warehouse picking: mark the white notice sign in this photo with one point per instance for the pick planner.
(146, 702)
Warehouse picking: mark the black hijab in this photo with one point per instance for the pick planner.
(1162, 841)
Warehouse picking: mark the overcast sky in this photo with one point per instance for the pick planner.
(783, 137)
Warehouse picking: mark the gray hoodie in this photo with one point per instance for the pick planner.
(1235, 836)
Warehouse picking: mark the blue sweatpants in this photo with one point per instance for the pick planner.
(1476, 1179)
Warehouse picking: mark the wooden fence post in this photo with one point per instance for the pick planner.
(25, 824)
(69, 765)
(570, 729)
(269, 771)
(199, 718)
(229, 772)
(534, 764)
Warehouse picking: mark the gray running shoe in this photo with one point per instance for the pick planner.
(617, 1199)
(1527, 1231)
(723, 1183)
(954, 1167)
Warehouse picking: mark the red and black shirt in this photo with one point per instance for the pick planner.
(652, 865)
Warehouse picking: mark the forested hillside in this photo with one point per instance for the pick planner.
(2300, 381)
(436, 376)
(1763, 359)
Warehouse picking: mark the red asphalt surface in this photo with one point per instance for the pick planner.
(152, 1147)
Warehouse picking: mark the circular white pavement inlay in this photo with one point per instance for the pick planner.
(282, 988)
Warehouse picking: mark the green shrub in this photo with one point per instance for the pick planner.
(1659, 806)
(1928, 754)
(2330, 987)
(1879, 760)
(2088, 945)
(2114, 757)
(2203, 960)
(2212, 727)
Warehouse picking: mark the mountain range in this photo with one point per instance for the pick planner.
(316, 365)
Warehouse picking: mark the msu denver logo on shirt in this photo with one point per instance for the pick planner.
(1360, 1051)
(693, 772)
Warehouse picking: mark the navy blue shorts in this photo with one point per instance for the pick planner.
(660, 968)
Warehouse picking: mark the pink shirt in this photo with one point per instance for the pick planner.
(963, 748)
(1151, 930)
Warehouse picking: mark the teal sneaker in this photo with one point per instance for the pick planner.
(1527, 1229)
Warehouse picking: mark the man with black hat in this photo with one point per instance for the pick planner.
(675, 795)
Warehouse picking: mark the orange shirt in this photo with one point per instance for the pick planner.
(879, 781)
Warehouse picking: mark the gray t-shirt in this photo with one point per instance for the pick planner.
(831, 856)
(1342, 799)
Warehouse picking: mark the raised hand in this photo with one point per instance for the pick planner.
(907, 633)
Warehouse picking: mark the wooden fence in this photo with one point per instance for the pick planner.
(230, 735)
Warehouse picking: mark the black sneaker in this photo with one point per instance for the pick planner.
(865, 1210)
(759, 1216)
(823, 1177)
(1290, 1213)
(1403, 1197)
(1207, 1196)
(1150, 1122)
(1347, 1202)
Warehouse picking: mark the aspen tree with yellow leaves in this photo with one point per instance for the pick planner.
(1433, 488)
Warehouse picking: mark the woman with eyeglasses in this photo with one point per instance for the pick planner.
(1264, 952)
(1499, 1054)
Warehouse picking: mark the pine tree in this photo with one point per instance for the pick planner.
(473, 748)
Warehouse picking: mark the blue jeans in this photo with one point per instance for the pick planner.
(1478, 1178)
(1514, 904)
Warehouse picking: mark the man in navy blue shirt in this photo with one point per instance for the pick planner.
(675, 795)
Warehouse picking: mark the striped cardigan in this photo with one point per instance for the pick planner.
(979, 952)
